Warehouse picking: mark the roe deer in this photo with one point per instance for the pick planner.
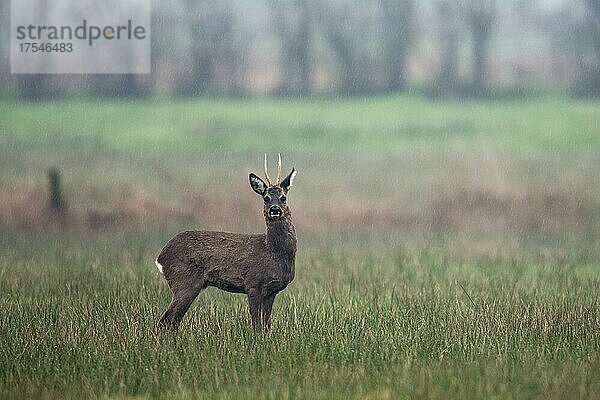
(257, 265)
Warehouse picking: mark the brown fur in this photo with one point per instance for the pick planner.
(257, 265)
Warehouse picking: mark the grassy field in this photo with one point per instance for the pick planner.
(445, 250)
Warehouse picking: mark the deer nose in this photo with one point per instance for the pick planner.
(275, 211)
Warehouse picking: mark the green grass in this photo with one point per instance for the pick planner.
(78, 323)
(206, 131)
(483, 309)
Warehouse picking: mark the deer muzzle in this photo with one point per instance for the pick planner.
(275, 212)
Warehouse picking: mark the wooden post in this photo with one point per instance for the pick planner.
(55, 191)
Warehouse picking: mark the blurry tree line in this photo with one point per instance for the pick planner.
(450, 49)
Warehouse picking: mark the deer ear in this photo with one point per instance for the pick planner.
(286, 184)
(257, 184)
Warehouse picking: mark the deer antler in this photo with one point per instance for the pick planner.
(278, 168)
(266, 173)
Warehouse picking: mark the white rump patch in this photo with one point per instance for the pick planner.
(160, 267)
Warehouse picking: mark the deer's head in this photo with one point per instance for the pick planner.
(274, 195)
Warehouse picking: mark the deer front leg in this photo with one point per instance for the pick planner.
(267, 306)
(255, 303)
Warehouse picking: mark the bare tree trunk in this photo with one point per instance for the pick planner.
(341, 45)
(304, 62)
(447, 82)
(211, 29)
(293, 24)
(589, 82)
(594, 15)
(398, 17)
(202, 70)
(480, 57)
(35, 86)
(201, 78)
(338, 25)
(481, 19)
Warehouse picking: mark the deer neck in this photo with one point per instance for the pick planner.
(281, 237)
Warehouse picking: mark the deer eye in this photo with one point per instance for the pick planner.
(267, 199)
(283, 198)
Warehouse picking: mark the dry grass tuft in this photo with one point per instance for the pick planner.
(478, 209)
(28, 207)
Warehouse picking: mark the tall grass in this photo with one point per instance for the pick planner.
(355, 324)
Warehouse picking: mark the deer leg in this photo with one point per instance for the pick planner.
(255, 303)
(182, 300)
(267, 306)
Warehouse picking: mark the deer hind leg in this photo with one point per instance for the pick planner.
(182, 300)
(267, 307)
